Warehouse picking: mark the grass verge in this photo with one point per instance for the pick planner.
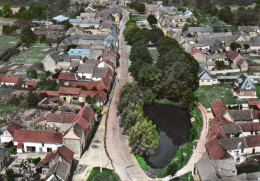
(141, 161)
(106, 174)
(185, 177)
(155, 54)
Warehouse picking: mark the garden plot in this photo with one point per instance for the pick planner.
(8, 42)
(34, 54)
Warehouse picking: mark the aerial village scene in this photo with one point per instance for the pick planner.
(110, 90)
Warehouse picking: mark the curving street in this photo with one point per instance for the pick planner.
(117, 147)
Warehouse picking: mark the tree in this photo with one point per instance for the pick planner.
(226, 15)
(90, 100)
(220, 65)
(152, 20)
(166, 44)
(246, 46)
(153, 35)
(32, 99)
(135, 67)
(234, 46)
(143, 138)
(32, 73)
(47, 84)
(133, 35)
(140, 51)
(148, 75)
(9, 174)
(67, 25)
(27, 36)
(6, 10)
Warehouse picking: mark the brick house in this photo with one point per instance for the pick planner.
(236, 60)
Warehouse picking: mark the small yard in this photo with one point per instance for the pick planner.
(139, 17)
(8, 108)
(208, 94)
(33, 54)
(8, 42)
(254, 57)
(205, 19)
(108, 175)
(155, 54)
(141, 162)
(257, 86)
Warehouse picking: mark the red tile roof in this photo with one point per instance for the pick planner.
(69, 90)
(232, 55)
(108, 62)
(254, 103)
(248, 127)
(102, 94)
(40, 119)
(8, 79)
(63, 151)
(20, 145)
(50, 93)
(256, 114)
(110, 52)
(217, 132)
(12, 128)
(253, 141)
(195, 50)
(61, 118)
(91, 85)
(218, 108)
(84, 116)
(215, 149)
(67, 76)
(240, 62)
(37, 136)
(85, 93)
(221, 120)
(30, 83)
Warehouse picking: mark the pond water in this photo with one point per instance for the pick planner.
(174, 126)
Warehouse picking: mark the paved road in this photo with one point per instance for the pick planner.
(200, 149)
(117, 147)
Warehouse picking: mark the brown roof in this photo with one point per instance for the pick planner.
(9, 79)
(63, 151)
(67, 76)
(240, 62)
(218, 108)
(84, 116)
(91, 85)
(110, 52)
(63, 118)
(221, 120)
(37, 136)
(217, 132)
(50, 93)
(12, 128)
(195, 50)
(248, 127)
(253, 141)
(256, 114)
(232, 55)
(254, 103)
(69, 90)
(108, 62)
(30, 83)
(215, 150)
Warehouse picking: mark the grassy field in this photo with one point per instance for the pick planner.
(33, 54)
(139, 17)
(205, 19)
(254, 57)
(208, 94)
(108, 175)
(155, 54)
(8, 42)
(141, 162)
(8, 108)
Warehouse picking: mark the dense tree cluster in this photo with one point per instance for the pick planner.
(140, 7)
(29, 100)
(142, 134)
(152, 20)
(38, 11)
(27, 36)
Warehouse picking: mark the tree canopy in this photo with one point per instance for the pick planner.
(152, 20)
(234, 46)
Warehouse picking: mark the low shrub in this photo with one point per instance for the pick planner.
(249, 168)
(141, 162)
(106, 174)
(12, 150)
(35, 160)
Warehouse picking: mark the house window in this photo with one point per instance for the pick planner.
(75, 98)
(64, 98)
(242, 151)
(49, 150)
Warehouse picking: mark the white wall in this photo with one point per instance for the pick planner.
(6, 137)
(39, 147)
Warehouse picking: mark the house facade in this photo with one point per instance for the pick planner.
(9, 81)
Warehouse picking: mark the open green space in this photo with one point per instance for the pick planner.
(106, 174)
(205, 19)
(8, 108)
(33, 54)
(254, 57)
(155, 54)
(6, 90)
(8, 42)
(141, 162)
(139, 17)
(208, 94)
(257, 86)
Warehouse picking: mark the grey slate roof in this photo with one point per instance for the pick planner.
(231, 129)
(253, 176)
(233, 143)
(203, 74)
(99, 72)
(61, 170)
(240, 115)
(244, 83)
(78, 130)
(55, 56)
(205, 169)
(85, 21)
(240, 177)
(167, 8)
(3, 152)
(200, 29)
(86, 68)
(225, 167)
